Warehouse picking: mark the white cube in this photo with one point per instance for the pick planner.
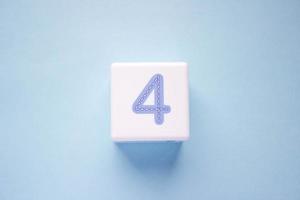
(149, 101)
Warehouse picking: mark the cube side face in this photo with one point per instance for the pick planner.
(128, 81)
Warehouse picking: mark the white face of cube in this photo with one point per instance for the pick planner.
(149, 101)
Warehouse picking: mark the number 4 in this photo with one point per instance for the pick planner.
(155, 84)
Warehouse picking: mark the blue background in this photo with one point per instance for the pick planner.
(244, 97)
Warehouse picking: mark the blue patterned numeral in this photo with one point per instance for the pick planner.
(156, 84)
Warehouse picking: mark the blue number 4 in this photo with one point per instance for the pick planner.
(155, 84)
